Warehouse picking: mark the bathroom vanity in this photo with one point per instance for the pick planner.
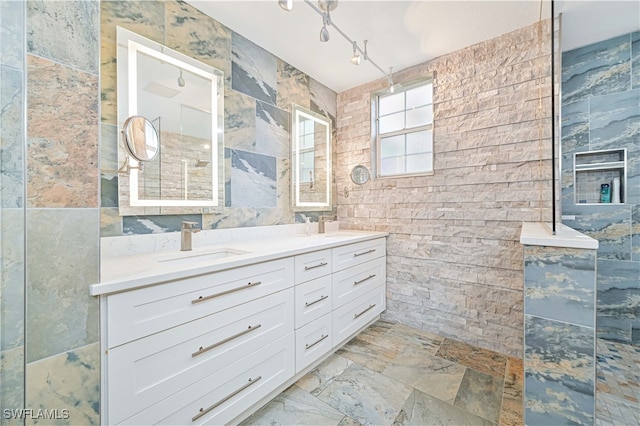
(209, 336)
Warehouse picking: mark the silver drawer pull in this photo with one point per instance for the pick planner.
(315, 301)
(204, 411)
(364, 279)
(309, 346)
(320, 265)
(363, 312)
(228, 339)
(222, 293)
(363, 253)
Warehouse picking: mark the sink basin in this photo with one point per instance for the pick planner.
(187, 258)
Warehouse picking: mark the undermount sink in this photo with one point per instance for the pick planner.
(186, 258)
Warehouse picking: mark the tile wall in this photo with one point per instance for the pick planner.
(454, 258)
(559, 328)
(601, 111)
(259, 91)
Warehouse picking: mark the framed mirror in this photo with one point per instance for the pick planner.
(182, 100)
(311, 160)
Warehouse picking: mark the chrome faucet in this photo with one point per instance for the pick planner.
(188, 228)
(321, 221)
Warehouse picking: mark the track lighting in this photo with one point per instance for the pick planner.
(181, 82)
(356, 58)
(323, 8)
(324, 32)
(286, 5)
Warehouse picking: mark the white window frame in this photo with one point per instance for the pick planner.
(377, 136)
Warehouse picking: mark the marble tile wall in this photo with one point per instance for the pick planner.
(12, 226)
(53, 345)
(454, 260)
(559, 328)
(601, 111)
(259, 91)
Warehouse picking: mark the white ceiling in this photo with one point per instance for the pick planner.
(404, 33)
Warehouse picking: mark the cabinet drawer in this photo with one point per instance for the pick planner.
(350, 317)
(224, 394)
(313, 265)
(350, 284)
(155, 367)
(312, 341)
(358, 253)
(312, 300)
(139, 313)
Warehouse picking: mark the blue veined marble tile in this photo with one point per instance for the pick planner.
(635, 331)
(614, 328)
(12, 277)
(614, 122)
(559, 373)
(635, 233)
(560, 284)
(272, 130)
(12, 26)
(575, 127)
(12, 381)
(110, 222)
(108, 189)
(293, 86)
(609, 224)
(254, 71)
(157, 224)
(323, 101)
(635, 60)
(239, 121)
(12, 134)
(69, 380)
(144, 17)
(597, 69)
(71, 38)
(62, 259)
(253, 180)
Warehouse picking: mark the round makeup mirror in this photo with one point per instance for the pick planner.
(140, 138)
(360, 174)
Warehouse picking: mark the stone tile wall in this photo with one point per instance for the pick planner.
(601, 111)
(259, 91)
(559, 328)
(454, 260)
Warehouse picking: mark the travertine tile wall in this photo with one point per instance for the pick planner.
(454, 258)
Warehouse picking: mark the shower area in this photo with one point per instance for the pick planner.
(600, 148)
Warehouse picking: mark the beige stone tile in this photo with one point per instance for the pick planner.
(482, 360)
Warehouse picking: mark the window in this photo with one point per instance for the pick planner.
(404, 141)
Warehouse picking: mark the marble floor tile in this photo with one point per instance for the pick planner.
(366, 396)
(479, 359)
(427, 342)
(512, 411)
(480, 394)
(295, 406)
(374, 351)
(430, 374)
(320, 377)
(422, 409)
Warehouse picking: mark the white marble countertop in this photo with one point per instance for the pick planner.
(127, 267)
(540, 234)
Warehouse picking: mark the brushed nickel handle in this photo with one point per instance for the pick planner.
(363, 253)
(364, 279)
(204, 411)
(307, 304)
(320, 265)
(309, 346)
(222, 293)
(228, 339)
(363, 312)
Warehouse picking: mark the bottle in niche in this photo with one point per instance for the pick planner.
(605, 193)
(615, 190)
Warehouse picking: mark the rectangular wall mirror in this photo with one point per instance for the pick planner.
(183, 98)
(311, 160)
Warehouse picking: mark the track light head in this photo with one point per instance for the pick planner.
(356, 59)
(181, 82)
(324, 34)
(286, 5)
(327, 5)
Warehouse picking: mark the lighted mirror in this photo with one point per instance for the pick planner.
(311, 160)
(181, 99)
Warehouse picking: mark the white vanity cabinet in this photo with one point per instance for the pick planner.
(212, 348)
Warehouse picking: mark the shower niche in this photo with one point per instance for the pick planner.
(594, 169)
